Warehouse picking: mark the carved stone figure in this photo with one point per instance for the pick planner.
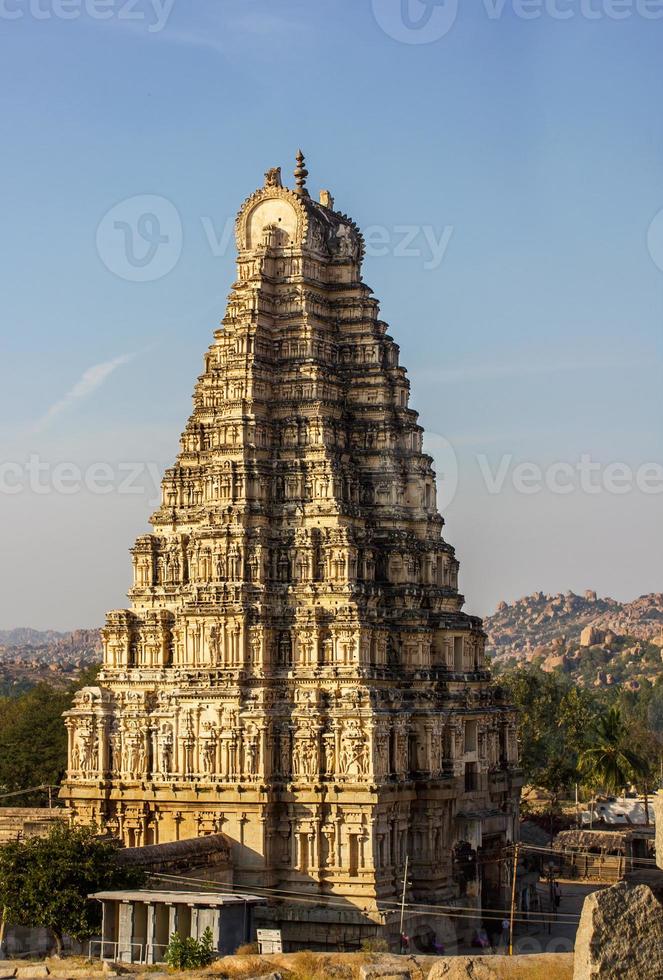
(166, 751)
(209, 755)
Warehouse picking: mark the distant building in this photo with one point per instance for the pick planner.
(605, 855)
(17, 822)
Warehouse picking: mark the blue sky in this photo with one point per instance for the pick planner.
(509, 172)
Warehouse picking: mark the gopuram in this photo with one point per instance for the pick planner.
(295, 670)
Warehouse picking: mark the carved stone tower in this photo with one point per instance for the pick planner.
(295, 669)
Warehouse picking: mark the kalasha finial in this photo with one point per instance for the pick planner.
(301, 173)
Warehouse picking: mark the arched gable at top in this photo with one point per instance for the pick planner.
(274, 207)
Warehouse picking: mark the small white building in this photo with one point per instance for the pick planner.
(137, 925)
(625, 811)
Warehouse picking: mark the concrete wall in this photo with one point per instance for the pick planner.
(28, 821)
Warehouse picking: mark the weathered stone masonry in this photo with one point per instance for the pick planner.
(295, 669)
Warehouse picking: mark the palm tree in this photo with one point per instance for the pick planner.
(610, 760)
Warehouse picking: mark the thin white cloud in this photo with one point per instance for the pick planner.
(89, 381)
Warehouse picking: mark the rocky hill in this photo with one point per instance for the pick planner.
(49, 639)
(28, 656)
(599, 641)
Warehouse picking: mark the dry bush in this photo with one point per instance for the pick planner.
(248, 949)
(322, 966)
(308, 966)
(376, 944)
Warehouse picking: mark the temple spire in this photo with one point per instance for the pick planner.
(301, 173)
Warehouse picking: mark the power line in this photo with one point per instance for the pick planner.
(30, 789)
(445, 911)
(567, 852)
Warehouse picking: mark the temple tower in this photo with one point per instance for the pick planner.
(295, 669)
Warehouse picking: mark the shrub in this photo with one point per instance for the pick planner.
(374, 945)
(189, 953)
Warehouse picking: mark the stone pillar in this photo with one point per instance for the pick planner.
(150, 934)
(125, 931)
(658, 811)
(108, 920)
(69, 725)
(172, 919)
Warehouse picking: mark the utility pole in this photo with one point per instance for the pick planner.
(577, 809)
(407, 861)
(514, 875)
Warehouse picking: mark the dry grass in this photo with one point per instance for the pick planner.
(548, 966)
(238, 967)
(307, 965)
(560, 969)
(71, 966)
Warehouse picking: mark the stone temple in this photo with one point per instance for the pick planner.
(295, 671)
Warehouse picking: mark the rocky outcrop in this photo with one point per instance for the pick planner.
(29, 656)
(590, 636)
(554, 965)
(620, 935)
(596, 641)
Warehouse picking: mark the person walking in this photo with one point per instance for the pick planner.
(557, 896)
(504, 939)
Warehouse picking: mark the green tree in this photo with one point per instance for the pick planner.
(610, 760)
(33, 739)
(554, 720)
(45, 881)
(555, 777)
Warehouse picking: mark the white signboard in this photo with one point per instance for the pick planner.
(269, 940)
